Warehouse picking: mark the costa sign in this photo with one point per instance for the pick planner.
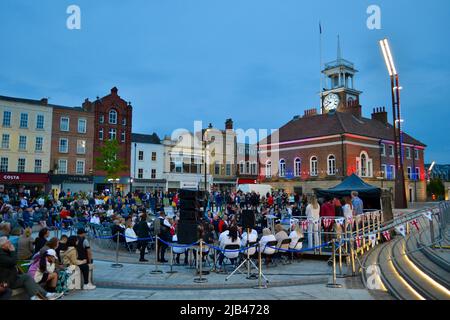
(24, 178)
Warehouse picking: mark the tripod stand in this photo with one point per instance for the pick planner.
(248, 263)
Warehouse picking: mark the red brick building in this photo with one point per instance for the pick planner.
(113, 120)
(320, 150)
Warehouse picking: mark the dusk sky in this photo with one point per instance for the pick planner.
(256, 61)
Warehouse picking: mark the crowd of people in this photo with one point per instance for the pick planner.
(135, 218)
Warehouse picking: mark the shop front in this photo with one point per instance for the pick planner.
(31, 184)
(122, 184)
(72, 183)
(148, 185)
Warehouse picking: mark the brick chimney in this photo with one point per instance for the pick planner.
(44, 101)
(229, 124)
(354, 108)
(87, 105)
(380, 114)
(310, 113)
(114, 91)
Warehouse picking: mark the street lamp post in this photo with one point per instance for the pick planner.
(400, 193)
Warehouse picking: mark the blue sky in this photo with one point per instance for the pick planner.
(256, 61)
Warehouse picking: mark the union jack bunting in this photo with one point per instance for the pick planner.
(387, 235)
(401, 229)
(304, 224)
(340, 221)
(350, 220)
(415, 223)
(428, 214)
(373, 239)
(326, 222)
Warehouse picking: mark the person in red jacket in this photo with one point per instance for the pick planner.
(222, 222)
(328, 212)
(270, 200)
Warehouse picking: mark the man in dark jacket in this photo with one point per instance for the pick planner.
(142, 231)
(10, 277)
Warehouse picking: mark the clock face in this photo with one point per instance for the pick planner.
(331, 102)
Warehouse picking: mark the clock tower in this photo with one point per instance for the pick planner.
(339, 93)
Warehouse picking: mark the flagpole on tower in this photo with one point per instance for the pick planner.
(320, 69)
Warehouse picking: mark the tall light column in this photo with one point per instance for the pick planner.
(400, 192)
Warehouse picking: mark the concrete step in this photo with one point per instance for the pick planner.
(436, 256)
(427, 265)
(392, 280)
(413, 275)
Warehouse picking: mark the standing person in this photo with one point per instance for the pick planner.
(327, 211)
(143, 233)
(304, 204)
(85, 253)
(313, 215)
(358, 207)
(164, 235)
(347, 209)
(25, 247)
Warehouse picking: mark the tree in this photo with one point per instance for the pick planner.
(436, 187)
(108, 160)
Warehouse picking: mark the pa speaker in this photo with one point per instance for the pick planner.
(188, 204)
(187, 232)
(190, 215)
(187, 194)
(248, 219)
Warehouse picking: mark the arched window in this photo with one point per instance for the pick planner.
(268, 169)
(282, 169)
(364, 165)
(297, 167)
(313, 166)
(113, 116)
(241, 167)
(331, 165)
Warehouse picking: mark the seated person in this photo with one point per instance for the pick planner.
(232, 238)
(253, 237)
(70, 258)
(118, 229)
(280, 234)
(296, 237)
(26, 245)
(46, 274)
(62, 246)
(130, 236)
(267, 237)
(9, 274)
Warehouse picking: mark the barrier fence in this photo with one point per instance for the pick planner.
(347, 238)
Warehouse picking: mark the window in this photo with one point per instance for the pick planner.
(112, 134)
(153, 156)
(365, 167)
(63, 145)
(408, 153)
(100, 134)
(314, 167)
(409, 172)
(81, 146)
(140, 173)
(391, 151)
(40, 121)
(122, 136)
(4, 164)
(268, 169)
(82, 125)
(331, 165)
(7, 119)
(38, 144)
(282, 168)
(22, 143)
(153, 174)
(37, 166)
(21, 165)
(383, 149)
(384, 172)
(113, 117)
(62, 166)
(80, 167)
(101, 119)
(64, 124)
(247, 167)
(416, 154)
(124, 121)
(5, 141)
(241, 167)
(228, 169)
(24, 120)
(297, 167)
(417, 174)
(216, 168)
(254, 168)
(141, 155)
(392, 172)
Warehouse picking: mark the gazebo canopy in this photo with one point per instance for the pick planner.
(351, 183)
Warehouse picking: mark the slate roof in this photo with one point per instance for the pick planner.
(338, 123)
(145, 138)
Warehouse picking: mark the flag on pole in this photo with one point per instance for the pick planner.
(387, 235)
(401, 229)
